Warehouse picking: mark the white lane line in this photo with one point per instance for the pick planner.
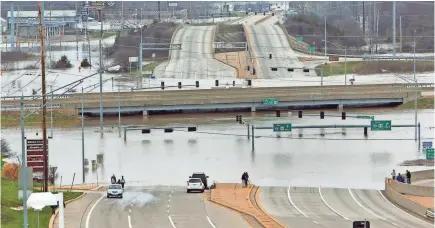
(209, 221)
(401, 209)
(88, 218)
(324, 201)
(129, 222)
(172, 223)
(291, 201)
(371, 212)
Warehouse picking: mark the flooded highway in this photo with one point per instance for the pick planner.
(221, 149)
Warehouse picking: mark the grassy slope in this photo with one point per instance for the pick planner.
(423, 103)
(14, 219)
(373, 67)
(60, 118)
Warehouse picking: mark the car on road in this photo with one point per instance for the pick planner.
(115, 190)
(201, 176)
(195, 184)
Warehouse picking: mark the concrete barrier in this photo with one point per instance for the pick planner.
(254, 64)
(262, 19)
(394, 189)
(422, 175)
(410, 189)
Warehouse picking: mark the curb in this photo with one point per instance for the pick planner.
(263, 19)
(264, 211)
(251, 52)
(51, 223)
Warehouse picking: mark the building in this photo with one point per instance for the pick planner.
(4, 25)
(27, 23)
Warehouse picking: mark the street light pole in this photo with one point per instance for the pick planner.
(345, 65)
(101, 74)
(119, 111)
(325, 40)
(23, 165)
(83, 140)
(51, 112)
(416, 93)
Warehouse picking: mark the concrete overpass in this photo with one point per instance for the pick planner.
(239, 98)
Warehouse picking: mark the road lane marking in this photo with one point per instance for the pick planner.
(291, 201)
(88, 218)
(401, 209)
(172, 223)
(324, 201)
(209, 221)
(129, 222)
(371, 212)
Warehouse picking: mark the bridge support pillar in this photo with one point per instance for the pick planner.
(144, 113)
(340, 107)
(253, 109)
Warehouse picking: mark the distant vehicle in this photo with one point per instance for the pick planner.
(195, 184)
(115, 190)
(201, 176)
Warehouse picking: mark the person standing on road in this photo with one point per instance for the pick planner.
(243, 179)
(122, 182)
(393, 174)
(113, 179)
(246, 179)
(408, 177)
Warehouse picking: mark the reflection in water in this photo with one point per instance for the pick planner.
(168, 141)
(381, 158)
(146, 141)
(192, 141)
(282, 160)
(100, 159)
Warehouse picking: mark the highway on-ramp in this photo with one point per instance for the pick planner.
(161, 206)
(333, 207)
(195, 60)
(268, 38)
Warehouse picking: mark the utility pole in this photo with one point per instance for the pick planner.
(18, 29)
(364, 19)
(416, 93)
(101, 74)
(44, 108)
(394, 28)
(77, 34)
(400, 32)
(122, 15)
(325, 40)
(83, 141)
(12, 21)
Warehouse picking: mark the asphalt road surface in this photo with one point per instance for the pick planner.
(268, 38)
(333, 207)
(195, 59)
(161, 206)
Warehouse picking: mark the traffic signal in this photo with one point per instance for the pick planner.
(162, 84)
(274, 69)
(238, 117)
(216, 82)
(300, 114)
(249, 82)
(255, 13)
(246, 12)
(278, 113)
(270, 56)
(253, 71)
(290, 69)
(197, 84)
(191, 129)
(234, 83)
(264, 13)
(169, 130)
(306, 70)
(248, 68)
(365, 131)
(273, 14)
(146, 131)
(322, 115)
(343, 115)
(179, 85)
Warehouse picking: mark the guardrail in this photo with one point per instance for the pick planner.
(429, 213)
(397, 57)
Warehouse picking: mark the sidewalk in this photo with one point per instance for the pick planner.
(236, 197)
(76, 211)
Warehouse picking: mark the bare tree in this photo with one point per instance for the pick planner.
(6, 150)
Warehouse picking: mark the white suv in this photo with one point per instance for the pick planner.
(115, 190)
(195, 184)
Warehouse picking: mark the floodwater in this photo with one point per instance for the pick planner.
(220, 148)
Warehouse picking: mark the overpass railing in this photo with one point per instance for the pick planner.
(383, 57)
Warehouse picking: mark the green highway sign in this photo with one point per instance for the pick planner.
(380, 125)
(282, 127)
(300, 38)
(429, 153)
(270, 101)
(311, 48)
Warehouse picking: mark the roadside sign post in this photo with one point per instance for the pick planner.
(270, 101)
(427, 144)
(380, 125)
(35, 154)
(282, 127)
(430, 153)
